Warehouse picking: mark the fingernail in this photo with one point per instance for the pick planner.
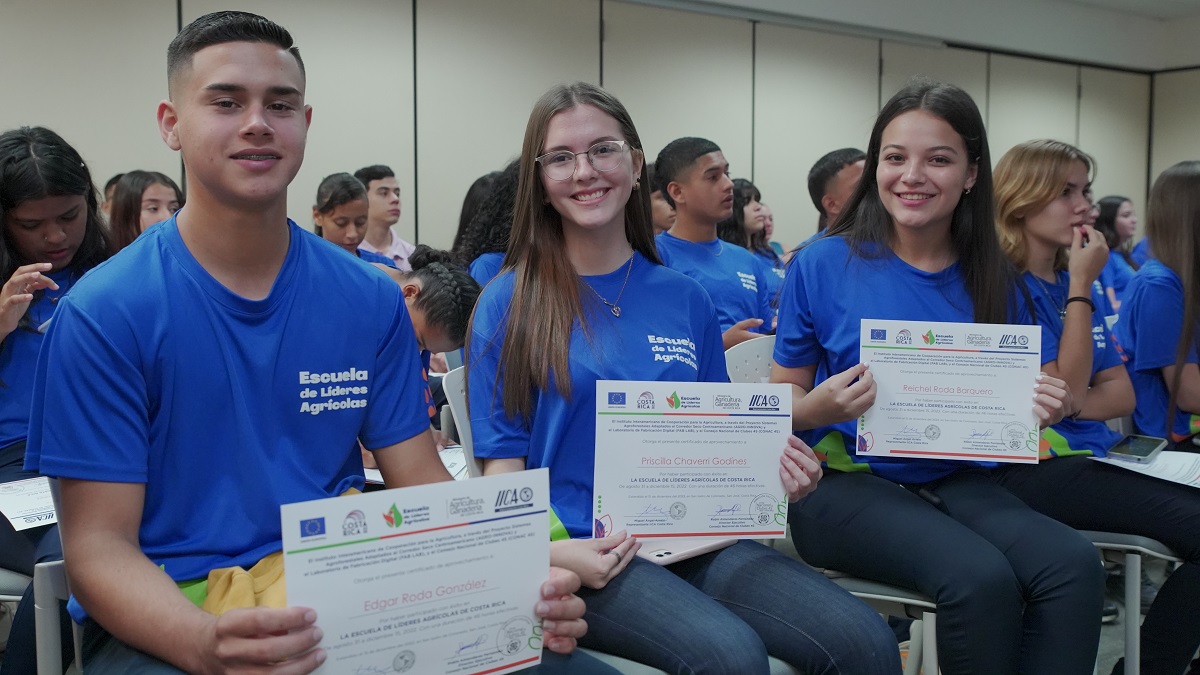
(318, 634)
(549, 625)
(320, 656)
(541, 609)
(1041, 376)
(310, 616)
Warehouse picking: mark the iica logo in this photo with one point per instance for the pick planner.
(393, 517)
(673, 400)
(928, 338)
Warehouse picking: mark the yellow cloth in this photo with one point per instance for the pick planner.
(263, 586)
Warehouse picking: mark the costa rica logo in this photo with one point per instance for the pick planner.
(645, 401)
(904, 337)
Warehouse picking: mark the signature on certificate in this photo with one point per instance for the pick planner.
(370, 670)
(980, 434)
(908, 430)
(732, 509)
(471, 645)
(653, 510)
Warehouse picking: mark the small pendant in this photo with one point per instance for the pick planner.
(1062, 313)
(615, 310)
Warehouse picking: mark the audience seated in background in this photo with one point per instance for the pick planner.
(1117, 223)
(746, 228)
(140, 199)
(340, 216)
(693, 176)
(485, 240)
(190, 382)
(106, 201)
(1016, 591)
(769, 231)
(662, 214)
(585, 287)
(831, 182)
(383, 194)
(53, 233)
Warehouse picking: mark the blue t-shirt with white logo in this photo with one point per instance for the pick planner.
(1149, 331)
(667, 331)
(827, 292)
(225, 408)
(732, 276)
(1078, 436)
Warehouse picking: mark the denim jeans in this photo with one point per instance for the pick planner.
(1092, 496)
(105, 655)
(1016, 591)
(723, 612)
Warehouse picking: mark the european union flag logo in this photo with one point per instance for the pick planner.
(312, 527)
(878, 334)
(616, 398)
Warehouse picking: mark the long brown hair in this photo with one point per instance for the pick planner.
(1173, 228)
(1028, 177)
(992, 283)
(546, 301)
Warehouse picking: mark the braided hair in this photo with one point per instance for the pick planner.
(448, 293)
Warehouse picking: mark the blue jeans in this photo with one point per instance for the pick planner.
(1092, 496)
(1016, 591)
(724, 611)
(105, 654)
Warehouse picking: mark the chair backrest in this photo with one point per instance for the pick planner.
(455, 385)
(750, 361)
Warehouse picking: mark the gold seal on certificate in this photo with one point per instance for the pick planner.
(951, 390)
(691, 459)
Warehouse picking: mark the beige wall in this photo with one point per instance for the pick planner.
(774, 97)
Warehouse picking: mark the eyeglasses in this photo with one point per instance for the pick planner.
(603, 156)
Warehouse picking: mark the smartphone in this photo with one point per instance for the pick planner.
(1141, 449)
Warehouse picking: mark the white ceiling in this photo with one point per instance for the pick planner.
(1151, 9)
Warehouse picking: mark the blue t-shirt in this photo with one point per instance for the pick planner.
(773, 272)
(224, 407)
(1149, 331)
(368, 256)
(1116, 274)
(1074, 437)
(826, 294)
(1141, 252)
(486, 267)
(18, 361)
(667, 311)
(732, 276)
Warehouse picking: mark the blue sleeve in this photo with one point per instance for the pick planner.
(87, 378)
(796, 342)
(495, 433)
(399, 408)
(765, 311)
(1158, 324)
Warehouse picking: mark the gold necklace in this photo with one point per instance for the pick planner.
(614, 305)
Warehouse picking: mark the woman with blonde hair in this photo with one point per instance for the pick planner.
(1041, 208)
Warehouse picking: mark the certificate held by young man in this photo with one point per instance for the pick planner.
(951, 390)
(690, 459)
(439, 578)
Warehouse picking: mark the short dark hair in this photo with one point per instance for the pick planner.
(338, 189)
(677, 157)
(824, 171)
(220, 28)
(374, 172)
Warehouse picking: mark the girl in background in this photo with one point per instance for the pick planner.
(340, 216)
(51, 233)
(1118, 223)
(141, 199)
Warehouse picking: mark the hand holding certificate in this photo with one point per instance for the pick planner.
(951, 390)
(439, 578)
(691, 459)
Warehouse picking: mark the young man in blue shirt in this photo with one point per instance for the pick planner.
(180, 398)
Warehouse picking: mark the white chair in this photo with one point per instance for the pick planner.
(49, 587)
(750, 363)
(1132, 548)
(454, 385)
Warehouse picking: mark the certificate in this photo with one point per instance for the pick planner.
(951, 390)
(1175, 466)
(439, 578)
(691, 459)
(27, 503)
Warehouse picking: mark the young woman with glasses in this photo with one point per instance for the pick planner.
(582, 287)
